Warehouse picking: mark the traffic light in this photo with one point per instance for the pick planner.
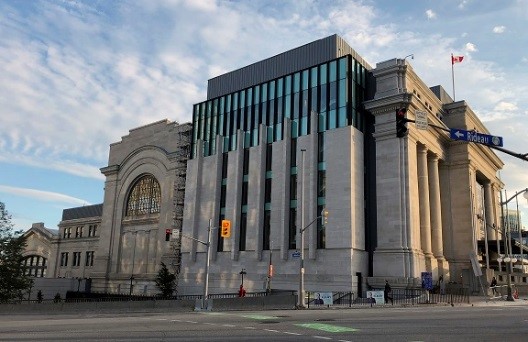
(324, 214)
(401, 122)
(225, 230)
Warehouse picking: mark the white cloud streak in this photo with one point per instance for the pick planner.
(40, 195)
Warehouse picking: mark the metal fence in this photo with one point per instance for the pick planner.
(397, 297)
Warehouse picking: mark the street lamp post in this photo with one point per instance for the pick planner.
(242, 273)
(508, 259)
(300, 301)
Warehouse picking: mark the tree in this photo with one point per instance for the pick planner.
(165, 281)
(14, 283)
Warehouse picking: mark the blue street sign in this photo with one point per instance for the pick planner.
(296, 254)
(427, 280)
(479, 138)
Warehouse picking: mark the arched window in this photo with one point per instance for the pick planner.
(35, 266)
(144, 198)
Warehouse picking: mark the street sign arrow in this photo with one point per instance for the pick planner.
(472, 136)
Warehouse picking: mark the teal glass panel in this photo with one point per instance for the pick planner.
(255, 137)
(269, 174)
(278, 132)
(304, 125)
(333, 71)
(321, 201)
(343, 66)
(267, 206)
(343, 94)
(226, 144)
(270, 134)
(233, 142)
(245, 178)
(249, 97)
(272, 94)
(321, 165)
(305, 83)
(322, 99)
(333, 96)
(264, 93)
(235, 101)
(322, 73)
(332, 119)
(244, 209)
(256, 94)
(287, 106)
(313, 77)
(296, 109)
(342, 117)
(313, 106)
(242, 98)
(293, 170)
(322, 122)
(228, 103)
(294, 129)
(296, 82)
(293, 203)
(247, 140)
(287, 85)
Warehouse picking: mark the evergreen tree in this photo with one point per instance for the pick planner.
(165, 281)
(13, 281)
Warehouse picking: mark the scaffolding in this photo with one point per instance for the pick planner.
(182, 155)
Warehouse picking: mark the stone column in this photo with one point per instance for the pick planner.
(436, 215)
(488, 209)
(425, 217)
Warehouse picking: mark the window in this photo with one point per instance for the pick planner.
(89, 258)
(92, 230)
(66, 233)
(35, 266)
(78, 232)
(64, 259)
(76, 259)
(144, 198)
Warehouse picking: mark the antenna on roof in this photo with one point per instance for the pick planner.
(411, 55)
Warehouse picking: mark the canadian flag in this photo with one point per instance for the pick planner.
(456, 59)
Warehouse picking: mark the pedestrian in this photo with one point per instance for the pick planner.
(388, 293)
(441, 284)
(241, 291)
(493, 286)
(318, 300)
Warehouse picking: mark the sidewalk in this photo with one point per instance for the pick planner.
(486, 301)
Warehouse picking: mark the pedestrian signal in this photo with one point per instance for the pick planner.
(225, 229)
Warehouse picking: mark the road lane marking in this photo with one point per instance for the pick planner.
(326, 327)
(272, 330)
(292, 333)
(259, 317)
(322, 337)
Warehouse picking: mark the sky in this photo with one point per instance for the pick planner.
(77, 75)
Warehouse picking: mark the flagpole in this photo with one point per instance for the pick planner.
(453, 77)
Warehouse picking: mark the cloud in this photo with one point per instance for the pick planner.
(499, 29)
(470, 47)
(430, 14)
(40, 195)
(462, 4)
(506, 106)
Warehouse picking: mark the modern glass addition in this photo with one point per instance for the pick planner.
(334, 90)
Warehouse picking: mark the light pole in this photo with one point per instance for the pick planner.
(300, 301)
(508, 259)
(207, 262)
(133, 263)
(242, 274)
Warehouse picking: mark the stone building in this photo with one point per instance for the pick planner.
(278, 141)
(273, 146)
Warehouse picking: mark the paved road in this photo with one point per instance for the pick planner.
(479, 323)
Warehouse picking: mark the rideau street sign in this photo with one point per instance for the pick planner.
(479, 138)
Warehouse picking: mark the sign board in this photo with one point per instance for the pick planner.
(421, 120)
(323, 298)
(427, 280)
(479, 138)
(376, 297)
(296, 254)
